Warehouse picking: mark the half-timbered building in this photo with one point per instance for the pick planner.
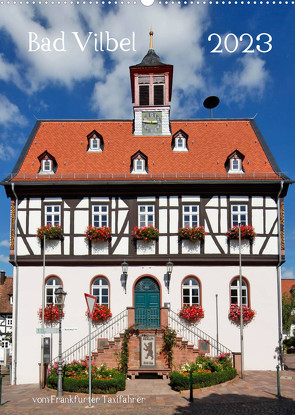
(151, 170)
(6, 301)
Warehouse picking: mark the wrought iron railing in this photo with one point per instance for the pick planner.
(194, 334)
(108, 330)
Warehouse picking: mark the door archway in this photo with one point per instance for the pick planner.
(147, 303)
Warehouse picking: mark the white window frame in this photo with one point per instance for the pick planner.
(11, 299)
(187, 210)
(239, 213)
(236, 287)
(92, 146)
(146, 215)
(56, 213)
(97, 290)
(46, 166)
(98, 214)
(235, 165)
(56, 284)
(193, 285)
(136, 169)
(181, 147)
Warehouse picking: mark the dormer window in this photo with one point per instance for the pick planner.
(95, 142)
(234, 163)
(48, 163)
(139, 163)
(179, 141)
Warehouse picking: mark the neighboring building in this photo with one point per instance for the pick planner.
(6, 300)
(155, 171)
(287, 286)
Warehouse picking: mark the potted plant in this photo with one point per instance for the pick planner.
(50, 232)
(247, 233)
(192, 314)
(96, 234)
(51, 314)
(235, 314)
(145, 233)
(100, 314)
(195, 233)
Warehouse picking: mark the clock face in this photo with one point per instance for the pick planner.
(151, 122)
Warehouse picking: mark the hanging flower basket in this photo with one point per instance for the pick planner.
(50, 232)
(247, 233)
(100, 314)
(102, 233)
(51, 314)
(192, 234)
(146, 233)
(192, 314)
(235, 314)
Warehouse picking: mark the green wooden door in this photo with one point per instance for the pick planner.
(147, 304)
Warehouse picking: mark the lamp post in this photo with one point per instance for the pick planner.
(124, 266)
(60, 296)
(241, 306)
(169, 267)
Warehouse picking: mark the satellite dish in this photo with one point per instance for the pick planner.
(210, 103)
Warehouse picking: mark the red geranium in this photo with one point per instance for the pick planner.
(247, 232)
(235, 314)
(101, 233)
(145, 233)
(192, 313)
(100, 314)
(51, 313)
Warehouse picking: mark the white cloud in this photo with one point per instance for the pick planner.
(3, 258)
(248, 79)
(9, 112)
(288, 273)
(5, 243)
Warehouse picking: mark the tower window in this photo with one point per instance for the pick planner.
(144, 95)
(158, 94)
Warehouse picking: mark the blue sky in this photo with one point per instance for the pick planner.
(89, 84)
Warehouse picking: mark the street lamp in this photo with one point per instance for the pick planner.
(169, 267)
(124, 266)
(60, 296)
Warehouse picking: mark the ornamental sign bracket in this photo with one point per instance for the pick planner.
(90, 301)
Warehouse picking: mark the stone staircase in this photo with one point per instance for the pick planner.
(108, 352)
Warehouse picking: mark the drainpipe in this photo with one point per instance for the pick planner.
(15, 291)
(280, 317)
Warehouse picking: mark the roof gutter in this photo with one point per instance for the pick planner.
(15, 291)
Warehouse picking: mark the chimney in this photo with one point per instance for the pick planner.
(2, 277)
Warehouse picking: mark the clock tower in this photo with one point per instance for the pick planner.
(151, 85)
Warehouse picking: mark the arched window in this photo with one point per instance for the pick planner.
(100, 289)
(52, 284)
(235, 292)
(191, 291)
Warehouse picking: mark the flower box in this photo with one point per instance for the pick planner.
(192, 314)
(98, 234)
(234, 246)
(195, 233)
(51, 314)
(145, 247)
(235, 314)
(145, 233)
(247, 233)
(50, 232)
(190, 247)
(99, 247)
(100, 314)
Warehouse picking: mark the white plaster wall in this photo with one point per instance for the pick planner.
(163, 220)
(34, 221)
(22, 217)
(35, 245)
(162, 200)
(173, 221)
(191, 199)
(67, 215)
(123, 246)
(213, 219)
(81, 221)
(257, 201)
(214, 280)
(269, 202)
(84, 203)
(271, 246)
(223, 221)
(271, 216)
(257, 220)
(213, 202)
(34, 203)
(121, 217)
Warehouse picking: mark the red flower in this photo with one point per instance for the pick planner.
(101, 313)
(192, 313)
(235, 314)
(247, 232)
(102, 233)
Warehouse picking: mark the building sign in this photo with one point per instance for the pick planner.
(148, 351)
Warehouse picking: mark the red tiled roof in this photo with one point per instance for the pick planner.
(5, 293)
(287, 285)
(209, 141)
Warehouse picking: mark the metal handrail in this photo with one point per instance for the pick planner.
(109, 330)
(194, 334)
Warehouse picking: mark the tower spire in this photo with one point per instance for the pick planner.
(151, 38)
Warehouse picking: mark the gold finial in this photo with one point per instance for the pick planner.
(151, 38)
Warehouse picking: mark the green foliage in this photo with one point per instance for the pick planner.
(169, 342)
(113, 385)
(288, 305)
(124, 356)
(179, 381)
(80, 370)
(206, 364)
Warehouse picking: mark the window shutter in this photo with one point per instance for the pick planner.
(158, 94)
(144, 95)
